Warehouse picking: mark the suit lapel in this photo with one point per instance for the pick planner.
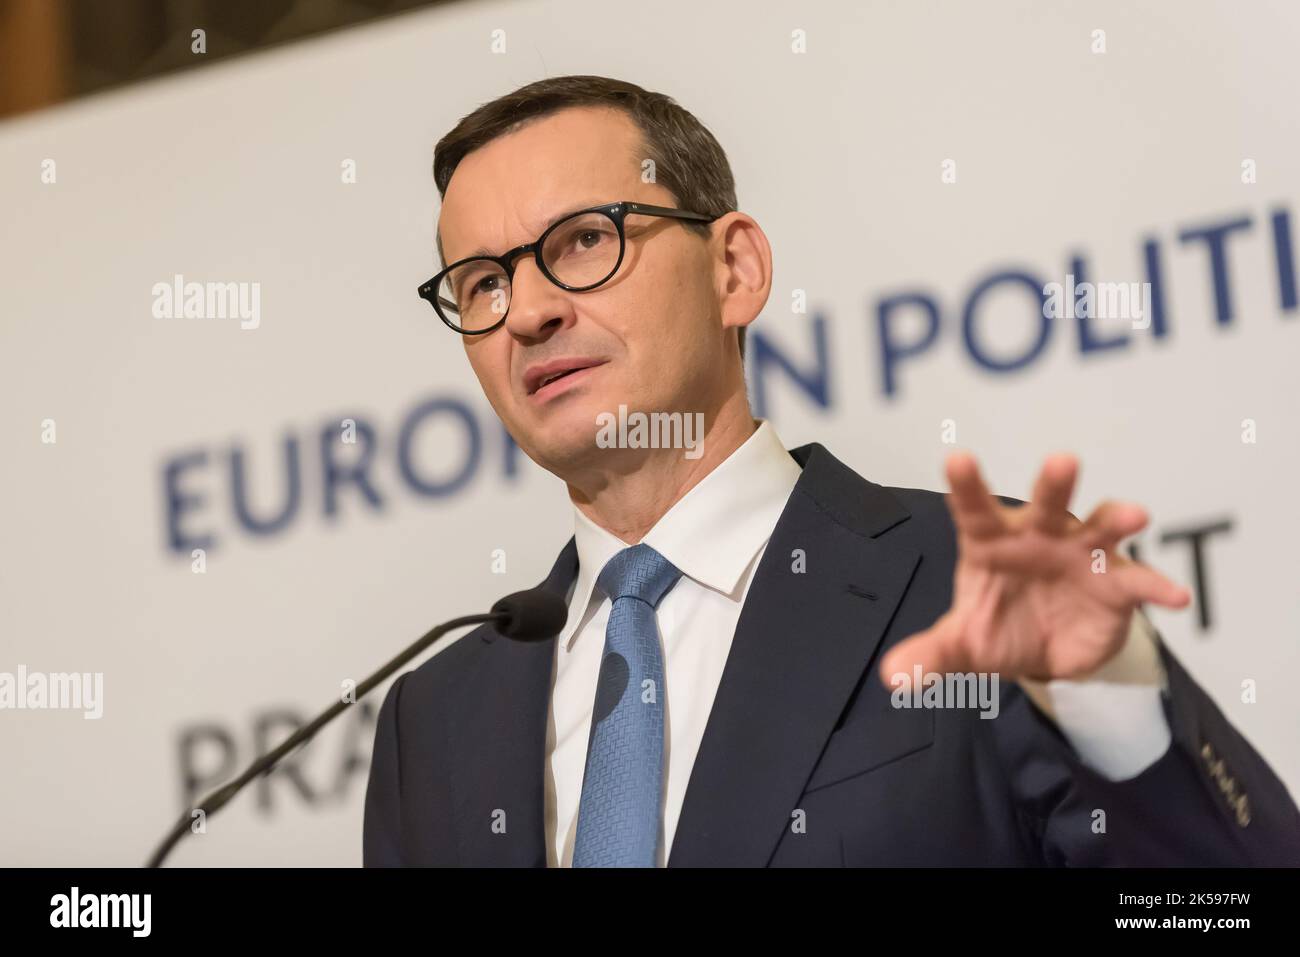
(497, 716)
(801, 645)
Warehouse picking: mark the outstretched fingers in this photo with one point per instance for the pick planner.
(1112, 521)
(975, 512)
(1048, 508)
(1144, 584)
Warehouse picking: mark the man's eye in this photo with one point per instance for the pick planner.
(481, 286)
(585, 240)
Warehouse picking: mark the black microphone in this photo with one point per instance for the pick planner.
(527, 616)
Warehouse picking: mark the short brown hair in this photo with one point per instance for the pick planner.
(688, 160)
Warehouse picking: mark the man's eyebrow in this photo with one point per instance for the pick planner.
(484, 251)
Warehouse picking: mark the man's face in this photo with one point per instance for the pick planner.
(653, 331)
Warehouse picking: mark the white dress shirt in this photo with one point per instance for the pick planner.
(716, 535)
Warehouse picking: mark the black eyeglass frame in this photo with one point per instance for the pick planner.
(616, 211)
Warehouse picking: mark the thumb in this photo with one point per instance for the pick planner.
(935, 649)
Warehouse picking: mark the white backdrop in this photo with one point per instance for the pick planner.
(233, 174)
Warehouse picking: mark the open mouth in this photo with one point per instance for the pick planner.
(559, 375)
(561, 380)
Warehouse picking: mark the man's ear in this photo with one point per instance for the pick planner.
(745, 270)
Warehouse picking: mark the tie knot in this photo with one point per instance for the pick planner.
(638, 572)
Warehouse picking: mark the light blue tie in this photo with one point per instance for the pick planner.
(618, 816)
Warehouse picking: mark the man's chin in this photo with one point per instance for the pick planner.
(574, 436)
(565, 436)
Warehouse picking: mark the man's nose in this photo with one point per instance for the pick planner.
(537, 306)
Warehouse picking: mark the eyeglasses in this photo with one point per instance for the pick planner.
(577, 253)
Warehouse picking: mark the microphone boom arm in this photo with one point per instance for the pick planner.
(213, 802)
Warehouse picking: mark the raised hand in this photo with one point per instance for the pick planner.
(1033, 596)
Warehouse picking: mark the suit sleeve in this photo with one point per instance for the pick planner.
(382, 830)
(1210, 799)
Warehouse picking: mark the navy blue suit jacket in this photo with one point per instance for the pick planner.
(804, 761)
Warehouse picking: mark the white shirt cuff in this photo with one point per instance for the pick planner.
(1113, 717)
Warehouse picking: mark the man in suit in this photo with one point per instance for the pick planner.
(768, 659)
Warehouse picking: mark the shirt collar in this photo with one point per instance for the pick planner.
(711, 534)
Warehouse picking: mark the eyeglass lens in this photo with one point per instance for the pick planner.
(579, 252)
